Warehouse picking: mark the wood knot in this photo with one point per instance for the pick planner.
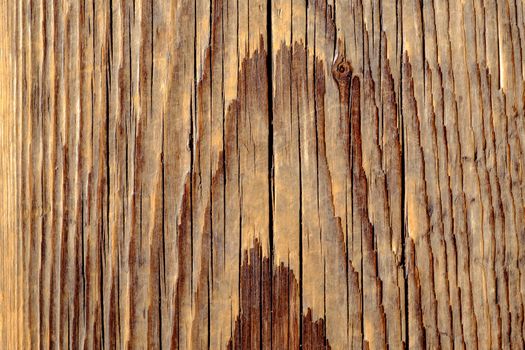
(342, 70)
(342, 73)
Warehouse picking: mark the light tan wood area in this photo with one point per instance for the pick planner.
(257, 174)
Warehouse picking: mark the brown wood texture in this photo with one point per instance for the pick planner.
(256, 174)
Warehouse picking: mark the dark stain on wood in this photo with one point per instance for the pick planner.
(254, 327)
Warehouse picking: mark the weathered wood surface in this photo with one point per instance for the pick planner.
(196, 174)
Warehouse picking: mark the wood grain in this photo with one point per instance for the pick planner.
(231, 174)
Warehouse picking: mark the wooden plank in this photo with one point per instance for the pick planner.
(262, 174)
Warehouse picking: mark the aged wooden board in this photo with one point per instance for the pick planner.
(256, 174)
